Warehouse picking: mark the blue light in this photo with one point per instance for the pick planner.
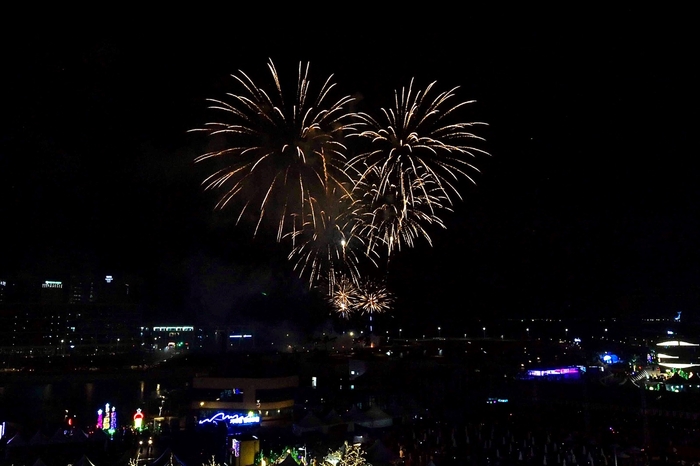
(233, 419)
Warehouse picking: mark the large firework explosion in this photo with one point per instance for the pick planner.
(279, 159)
(414, 157)
(284, 163)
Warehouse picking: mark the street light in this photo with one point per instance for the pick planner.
(484, 329)
(438, 332)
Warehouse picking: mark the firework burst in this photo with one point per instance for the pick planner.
(282, 160)
(348, 298)
(328, 244)
(414, 159)
(373, 298)
(277, 157)
(342, 296)
(384, 220)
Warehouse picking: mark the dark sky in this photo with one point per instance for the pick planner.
(587, 204)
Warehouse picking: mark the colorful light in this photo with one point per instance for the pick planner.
(234, 419)
(106, 418)
(113, 419)
(138, 419)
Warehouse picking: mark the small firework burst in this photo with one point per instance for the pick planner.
(342, 296)
(373, 298)
(348, 298)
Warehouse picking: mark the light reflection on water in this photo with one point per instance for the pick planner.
(43, 405)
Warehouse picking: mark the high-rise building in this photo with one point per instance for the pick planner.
(103, 312)
(82, 314)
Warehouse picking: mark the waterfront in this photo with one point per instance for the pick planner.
(42, 405)
(433, 384)
(32, 401)
(563, 424)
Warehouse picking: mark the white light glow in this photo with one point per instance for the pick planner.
(675, 365)
(676, 343)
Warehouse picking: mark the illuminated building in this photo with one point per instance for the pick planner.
(179, 337)
(675, 367)
(59, 317)
(248, 392)
(558, 373)
(677, 354)
(679, 361)
(169, 337)
(103, 312)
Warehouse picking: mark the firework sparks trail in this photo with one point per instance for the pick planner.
(384, 221)
(331, 245)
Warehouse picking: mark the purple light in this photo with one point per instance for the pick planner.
(558, 371)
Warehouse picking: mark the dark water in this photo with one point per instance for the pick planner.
(44, 404)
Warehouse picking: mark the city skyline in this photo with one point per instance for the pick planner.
(585, 204)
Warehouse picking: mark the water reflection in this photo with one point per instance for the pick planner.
(42, 405)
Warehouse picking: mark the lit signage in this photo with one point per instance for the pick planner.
(109, 279)
(233, 419)
(493, 401)
(185, 328)
(52, 284)
(560, 371)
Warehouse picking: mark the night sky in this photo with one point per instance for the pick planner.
(587, 204)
